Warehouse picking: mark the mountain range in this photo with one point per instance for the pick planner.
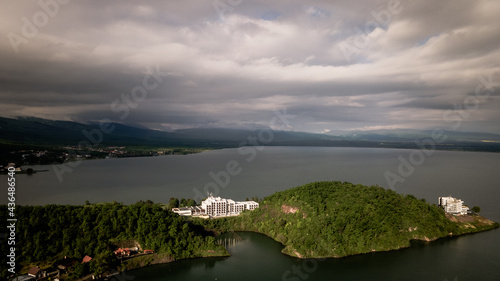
(43, 132)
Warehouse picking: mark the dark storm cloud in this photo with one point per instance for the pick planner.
(236, 67)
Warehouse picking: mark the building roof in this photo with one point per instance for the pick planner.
(23, 278)
(34, 271)
(123, 251)
(86, 259)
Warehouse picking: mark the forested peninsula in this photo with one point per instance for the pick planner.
(53, 236)
(338, 219)
(322, 219)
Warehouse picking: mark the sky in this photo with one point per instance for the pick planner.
(327, 65)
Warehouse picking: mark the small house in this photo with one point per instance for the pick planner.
(35, 272)
(125, 252)
(86, 259)
(66, 263)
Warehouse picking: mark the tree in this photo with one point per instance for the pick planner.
(476, 209)
(29, 171)
(81, 269)
(174, 203)
(102, 262)
(191, 203)
(183, 202)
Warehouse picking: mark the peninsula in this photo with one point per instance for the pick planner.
(338, 219)
(322, 219)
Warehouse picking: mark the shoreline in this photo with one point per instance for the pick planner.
(443, 149)
(478, 223)
(482, 225)
(494, 225)
(491, 226)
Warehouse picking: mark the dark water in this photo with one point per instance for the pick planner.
(258, 257)
(473, 177)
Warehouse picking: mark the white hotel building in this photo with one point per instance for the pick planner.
(217, 207)
(453, 205)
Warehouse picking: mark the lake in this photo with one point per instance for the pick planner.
(258, 257)
(470, 176)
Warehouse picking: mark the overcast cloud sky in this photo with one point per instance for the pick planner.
(333, 65)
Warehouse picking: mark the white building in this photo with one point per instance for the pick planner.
(453, 205)
(189, 211)
(217, 207)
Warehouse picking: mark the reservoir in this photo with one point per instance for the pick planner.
(258, 257)
(470, 176)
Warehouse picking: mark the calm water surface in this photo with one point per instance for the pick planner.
(258, 257)
(473, 177)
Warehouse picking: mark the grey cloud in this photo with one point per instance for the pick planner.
(234, 72)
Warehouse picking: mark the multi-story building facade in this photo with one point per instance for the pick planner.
(453, 205)
(217, 207)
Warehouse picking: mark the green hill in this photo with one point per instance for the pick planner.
(334, 219)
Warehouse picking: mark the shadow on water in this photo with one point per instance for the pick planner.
(255, 256)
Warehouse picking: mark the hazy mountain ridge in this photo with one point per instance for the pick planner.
(41, 131)
(36, 131)
(412, 135)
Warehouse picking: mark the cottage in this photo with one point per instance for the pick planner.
(65, 263)
(148, 251)
(35, 272)
(125, 252)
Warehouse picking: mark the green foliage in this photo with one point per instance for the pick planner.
(337, 219)
(174, 203)
(54, 231)
(476, 209)
(191, 203)
(80, 270)
(183, 202)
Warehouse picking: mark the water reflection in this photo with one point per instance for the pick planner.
(257, 257)
(229, 240)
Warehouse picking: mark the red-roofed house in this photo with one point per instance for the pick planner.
(148, 251)
(86, 259)
(122, 252)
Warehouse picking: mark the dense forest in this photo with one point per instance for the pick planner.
(335, 219)
(323, 219)
(48, 233)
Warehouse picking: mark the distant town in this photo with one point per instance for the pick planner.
(217, 207)
(62, 154)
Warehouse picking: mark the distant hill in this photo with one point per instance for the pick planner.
(338, 219)
(36, 131)
(42, 132)
(411, 135)
(47, 132)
